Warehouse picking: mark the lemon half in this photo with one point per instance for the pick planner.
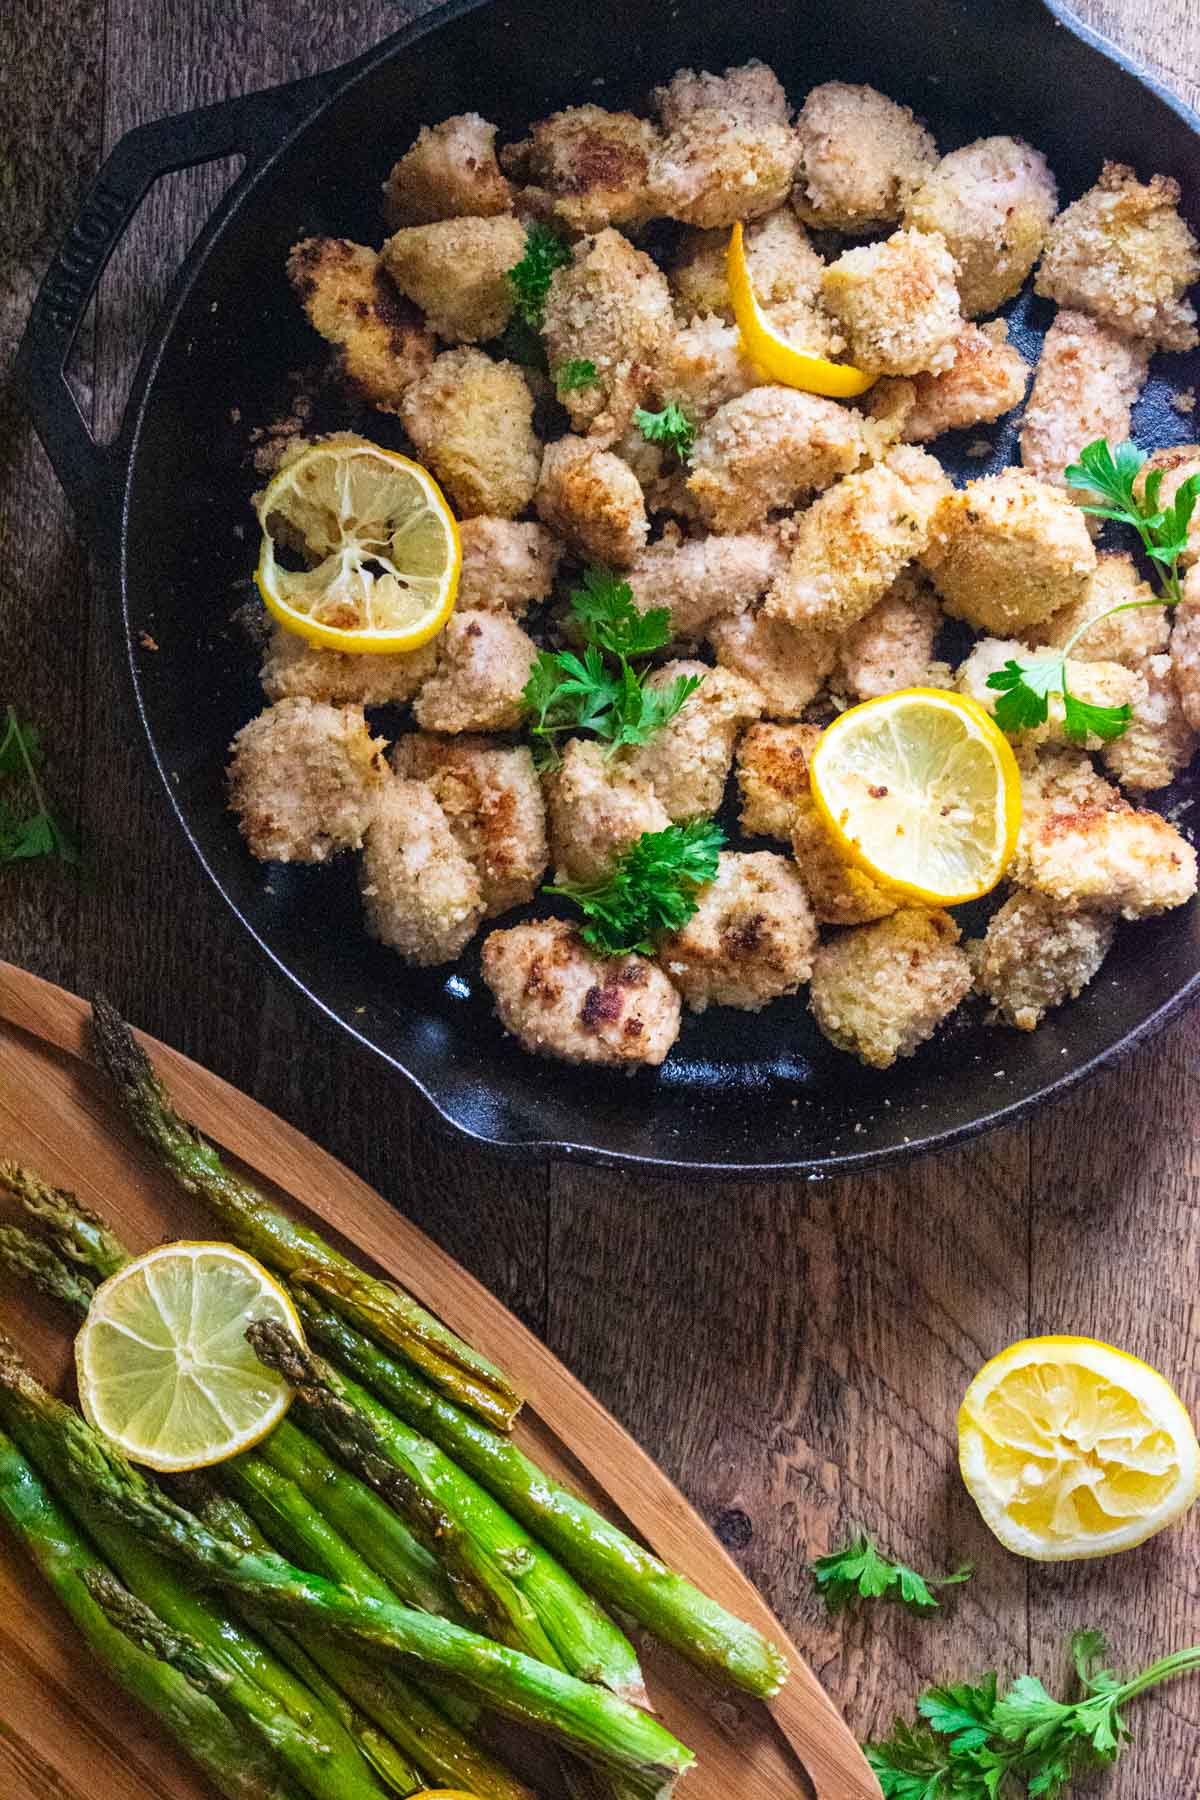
(922, 792)
(1070, 1448)
(378, 542)
(164, 1368)
(773, 353)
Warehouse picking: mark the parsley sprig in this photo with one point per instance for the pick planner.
(976, 1743)
(1025, 684)
(858, 1572)
(571, 692)
(529, 279)
(28, 828)
(650, 890)
(580, 372)
(671, 427)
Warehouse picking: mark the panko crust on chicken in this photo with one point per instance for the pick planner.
(1125, 637)
(880, 991)
(593, 499)
(560, 999)
(861, 157)
(1035, 956)
(507, 564)
(986, 379)
(688, 762)
(1123, 253)
(610, 306)
(897, 303)
(751, 939)
(1158, 743)
(772, 775)
(702, 579)
(1088, 380)
(1185, 648)
(304, 779)
(588, 167)
(451, 172)
(471, 421)
(892, 647)
(493, 804)
(768, 449)
(993, 202)
(456, 271)
(728, 151)
(421, 895)
(292, 669)
(703, 367)
(1007, 551)
(484, 662)
(596, 807)
(382, 343)
(787, 667)
(854, 540)
(784, 266)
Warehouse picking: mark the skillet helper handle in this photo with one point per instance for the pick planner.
(252, 125)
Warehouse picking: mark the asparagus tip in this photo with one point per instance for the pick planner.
(24, 1255)
(116, 1050)
(136, 1621)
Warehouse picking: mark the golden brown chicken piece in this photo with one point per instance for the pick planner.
(987, 378)
(587, 167)
(456, 271)
(767, 450)
(1127, 637)
(751, 939)
(993, 202)
(897, 303)
(560, 999)
(787, 667)
(593, 500)
(611, 307)
(861, 157)
(304, 780)
(1088, 379)
(1035, 955)
(729, 152)
(892, 647)
(421, 895)
(450, 172)
(1007, 551)
(484, 662)
(471, 420)
(493, 804)
(507, 564)
(688, 762)
(381, 340)
(596, 807)
(879, 991)
(292, 669)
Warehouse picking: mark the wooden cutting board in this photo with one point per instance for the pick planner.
(64, 1731)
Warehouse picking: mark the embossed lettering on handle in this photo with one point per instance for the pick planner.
(73, 273)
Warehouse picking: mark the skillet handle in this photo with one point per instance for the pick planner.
(251, 124)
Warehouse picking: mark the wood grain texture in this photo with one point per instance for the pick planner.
(793, 1355)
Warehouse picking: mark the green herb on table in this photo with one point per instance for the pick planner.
(671, 427)
(579, 373)
(976, 1743)
(651, 889)
(28, 828)
(529, 280)
(858, 1572)
(1025, 684)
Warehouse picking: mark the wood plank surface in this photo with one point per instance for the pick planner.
(793, 1355)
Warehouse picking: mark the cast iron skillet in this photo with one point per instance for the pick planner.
(741, 1093)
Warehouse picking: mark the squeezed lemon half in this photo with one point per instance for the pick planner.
(773, 353)
(164, 1368)
(1070, 1448)
(379, 544)
(922, 792)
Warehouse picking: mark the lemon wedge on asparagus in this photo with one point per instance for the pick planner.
(773, 353)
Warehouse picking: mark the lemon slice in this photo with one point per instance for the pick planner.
(164, 1368)
(377, 541)
(774, 355)
(1070, 1449)
(922, 792)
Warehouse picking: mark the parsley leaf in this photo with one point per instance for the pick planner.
(529, 279)
(671, 427)
(650, 890)
(579, 373)
(604, 606)
(858, 1572)
(1025, 688)
(27, 830)
(1082, 720)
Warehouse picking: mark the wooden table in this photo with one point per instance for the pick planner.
(794, 1356)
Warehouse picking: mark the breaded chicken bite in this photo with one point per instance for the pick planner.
(593, 500)
(493, 804)
(588, 167)
(450, 172)
(987, 378)
(349, 298)
(892, 647)
(772, 774)
(993, 202)
(421, 895)
(768, 449)
(484, 662)
(1034, 956)
(1088, 379)
(1158, 743)
(596, 807)
(1124, 254)
(750, 940)
(471, 420)
(507, 564)
(897, 303)
(704, 578)
(879, 991)
(1125, 637)
(611, 307)
(292, 668)
(788, 667)
(1056, 780)
(784, 267)
(1178, 463)
(558, 998)
(1185, 649)
(304, 780)
(861, 157)
(840, 893)
(1094, 683)
(456, 271)
(703, 368)
(1007, 551)
(855, 539)
(688, 762)
(729, 152)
